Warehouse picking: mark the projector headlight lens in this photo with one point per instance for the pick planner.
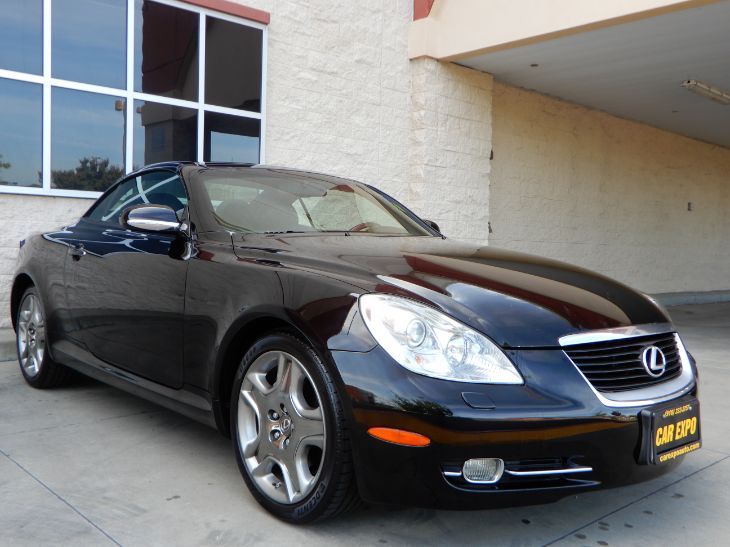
(431, 343)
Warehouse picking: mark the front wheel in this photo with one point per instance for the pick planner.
(36, 365)
(289, 432)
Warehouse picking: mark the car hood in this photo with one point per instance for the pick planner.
(516, 299)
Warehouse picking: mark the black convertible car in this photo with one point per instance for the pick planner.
(349, 349)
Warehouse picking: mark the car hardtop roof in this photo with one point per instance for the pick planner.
(179, 164)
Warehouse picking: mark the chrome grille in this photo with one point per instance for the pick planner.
(616, 365)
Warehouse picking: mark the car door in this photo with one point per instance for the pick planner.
(126, 288)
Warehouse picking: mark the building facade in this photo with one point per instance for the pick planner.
(437, 103)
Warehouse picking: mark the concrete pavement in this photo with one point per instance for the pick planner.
(91, 465)
(7, 345)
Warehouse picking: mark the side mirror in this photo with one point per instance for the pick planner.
(433, 225)
(151, 218)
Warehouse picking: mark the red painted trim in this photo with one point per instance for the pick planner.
(422, 8)
(231, 8)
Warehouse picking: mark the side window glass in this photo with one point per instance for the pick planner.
(124, 192)
(163, 188)
(156, 188)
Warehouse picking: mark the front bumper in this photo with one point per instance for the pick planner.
(554, 421)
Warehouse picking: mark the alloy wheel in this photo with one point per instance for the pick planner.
(31, 335)
(281, 427)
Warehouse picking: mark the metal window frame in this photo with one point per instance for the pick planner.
(129, 95)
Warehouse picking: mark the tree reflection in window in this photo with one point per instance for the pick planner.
(93, 174)
(96, 132)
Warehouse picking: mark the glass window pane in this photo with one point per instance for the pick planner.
(166, 51)
(232, 65)
(261, 200)
(110, 208)
(344, 207)
(164, 188)
(90, 41)
(21, 36)
(157, 188)
(163, 133)
(87, 140)
(21, 133)
(231, 139)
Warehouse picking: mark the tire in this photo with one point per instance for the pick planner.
(36, 365)
(289, 432)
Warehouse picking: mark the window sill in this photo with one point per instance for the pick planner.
(53, 193)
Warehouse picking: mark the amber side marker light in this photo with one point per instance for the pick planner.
(398, 436)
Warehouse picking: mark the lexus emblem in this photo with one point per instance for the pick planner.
(654, 361)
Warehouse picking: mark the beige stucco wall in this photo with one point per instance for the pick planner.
(449, 146)
(609, 194)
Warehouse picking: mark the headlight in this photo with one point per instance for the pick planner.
(429, 342)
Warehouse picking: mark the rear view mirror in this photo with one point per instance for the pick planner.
(433, 225)
(151, 218)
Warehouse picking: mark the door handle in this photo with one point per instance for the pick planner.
(77, 251)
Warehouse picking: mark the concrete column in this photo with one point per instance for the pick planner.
(450, 147)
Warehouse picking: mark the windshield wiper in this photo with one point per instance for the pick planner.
(285, 232)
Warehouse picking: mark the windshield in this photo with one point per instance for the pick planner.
(267, 201)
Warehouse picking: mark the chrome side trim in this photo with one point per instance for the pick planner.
(540, 473)
(495, 481)
(651, 395)
(604, 335)
(566, 471)
(153, 225)
(153, 218)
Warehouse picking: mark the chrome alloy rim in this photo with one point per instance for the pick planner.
(281, 429)
(31, 335)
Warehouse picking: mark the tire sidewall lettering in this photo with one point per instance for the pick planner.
(313, 501)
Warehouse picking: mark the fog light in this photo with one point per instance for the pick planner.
(483, 470)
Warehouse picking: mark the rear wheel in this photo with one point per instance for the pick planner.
(289, 432)
(35, 363)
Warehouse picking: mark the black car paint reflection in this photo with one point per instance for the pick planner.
(125, 294)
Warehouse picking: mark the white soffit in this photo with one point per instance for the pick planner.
(633, 70)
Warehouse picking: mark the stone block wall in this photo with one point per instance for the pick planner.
(609, 194)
